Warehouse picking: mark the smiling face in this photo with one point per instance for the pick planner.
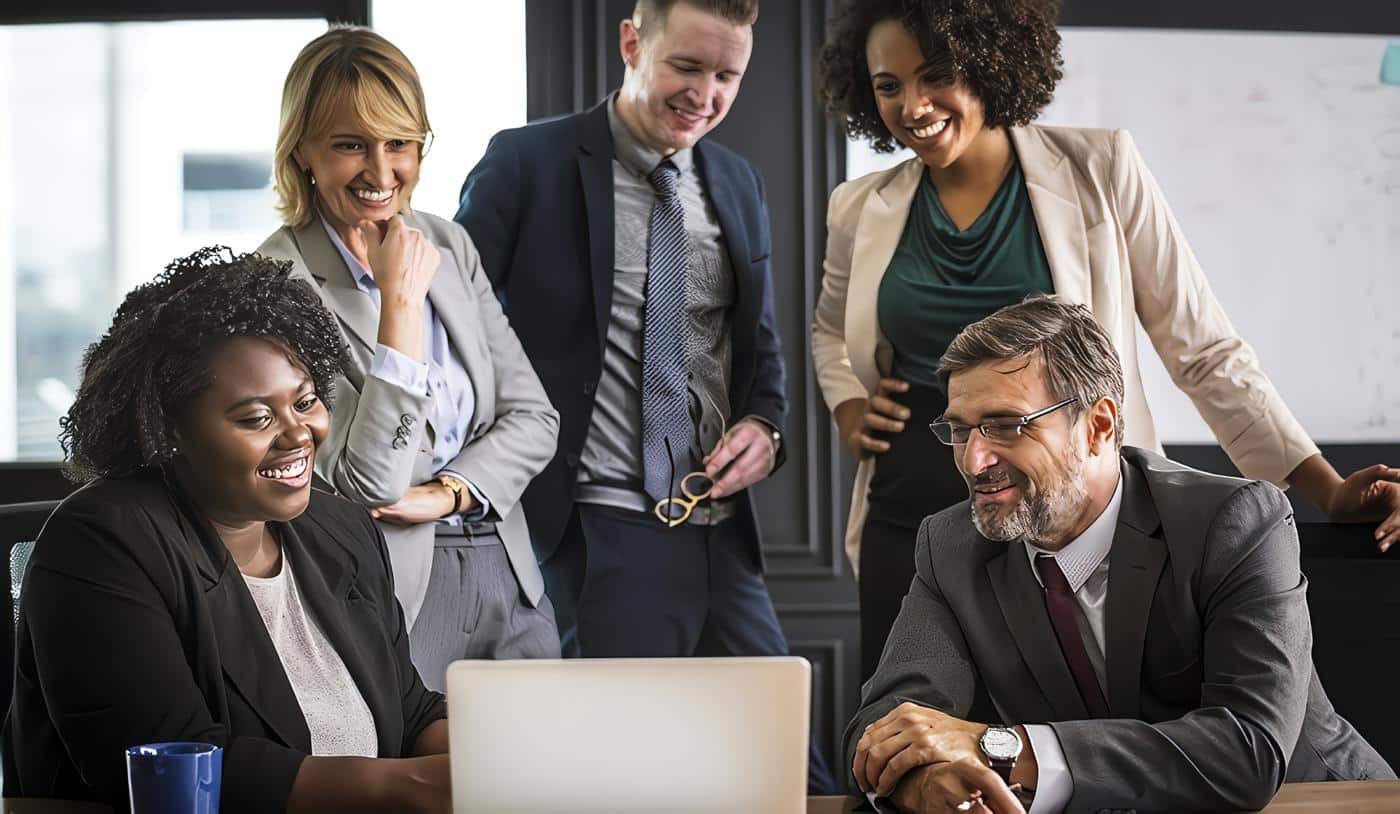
(923, 104)
(358, 177)
(1034, 488)
(248, 442)
(680, 81)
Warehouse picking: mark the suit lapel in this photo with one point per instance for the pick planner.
(325, 575)
(876, 236)
(354, 308)
(1023, 606)
(748, 283)
(595, 172)
(245, 649)
(1059, 218)
(1135, 561)
(727, 209)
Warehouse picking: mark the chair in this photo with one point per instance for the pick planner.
(1354, 602)
(19, 526)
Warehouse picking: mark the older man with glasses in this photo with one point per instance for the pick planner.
(1097, 627)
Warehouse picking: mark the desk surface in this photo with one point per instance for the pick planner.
(1372, 797)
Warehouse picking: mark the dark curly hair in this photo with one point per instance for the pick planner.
(154, 357)
(1007, 51)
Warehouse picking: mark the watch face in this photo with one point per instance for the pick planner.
(1000, 743)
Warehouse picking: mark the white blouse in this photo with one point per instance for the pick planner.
(336, 713)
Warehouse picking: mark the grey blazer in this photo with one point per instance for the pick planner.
(381, 435)
(1209, 667)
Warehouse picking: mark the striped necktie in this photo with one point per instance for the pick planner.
(665, 339)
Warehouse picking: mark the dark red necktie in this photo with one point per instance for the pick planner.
(1059, 603)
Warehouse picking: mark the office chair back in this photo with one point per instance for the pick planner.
(19, 527)
(1353, 598)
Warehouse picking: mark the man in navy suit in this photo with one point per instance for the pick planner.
(614, 237)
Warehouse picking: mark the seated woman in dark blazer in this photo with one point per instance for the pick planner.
(198, 588)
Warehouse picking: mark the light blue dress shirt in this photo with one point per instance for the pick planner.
(443, 377)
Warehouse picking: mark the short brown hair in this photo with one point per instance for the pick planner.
(345, 61)
(1080, 360)
(650, 15)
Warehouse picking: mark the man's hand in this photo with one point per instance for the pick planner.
(747, 449)
(422, 504)
(910, 736)
(963, 785)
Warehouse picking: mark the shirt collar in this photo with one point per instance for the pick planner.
(1082, 556)
(363, 278)
(634, 155)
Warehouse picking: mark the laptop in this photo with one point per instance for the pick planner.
(615, 736)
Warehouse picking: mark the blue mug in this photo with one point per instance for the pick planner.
(174, 778)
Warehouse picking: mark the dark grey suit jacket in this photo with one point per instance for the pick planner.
(1208, 663)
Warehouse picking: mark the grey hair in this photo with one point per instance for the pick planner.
(1080, 360)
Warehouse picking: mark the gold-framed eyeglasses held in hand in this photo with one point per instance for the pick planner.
(673, 511)
(997, 430)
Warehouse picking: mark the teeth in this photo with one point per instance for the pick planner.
(930, 131)
(292, 470)
(371, 195)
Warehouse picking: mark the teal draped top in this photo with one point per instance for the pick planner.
(942, 279)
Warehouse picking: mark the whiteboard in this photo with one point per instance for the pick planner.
(1280, 156)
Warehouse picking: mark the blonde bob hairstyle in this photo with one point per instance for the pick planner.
(346, 62)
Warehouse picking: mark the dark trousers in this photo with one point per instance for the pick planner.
(625, 586)
(915, 478)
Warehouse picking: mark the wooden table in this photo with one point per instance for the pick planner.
(1371, 797)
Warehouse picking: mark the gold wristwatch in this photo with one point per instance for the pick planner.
(456, 487)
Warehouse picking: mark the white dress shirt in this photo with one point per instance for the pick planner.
(1084, 562)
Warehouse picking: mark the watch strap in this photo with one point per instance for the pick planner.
(1003, 766)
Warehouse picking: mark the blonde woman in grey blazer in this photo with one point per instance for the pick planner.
(440, 421)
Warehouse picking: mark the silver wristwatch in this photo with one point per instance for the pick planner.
(1002, 746)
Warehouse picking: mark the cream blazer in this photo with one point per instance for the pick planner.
(1114, 246)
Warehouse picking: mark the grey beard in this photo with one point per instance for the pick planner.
(1040, 518)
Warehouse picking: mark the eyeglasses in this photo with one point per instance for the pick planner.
(998, 430)
(673, 511)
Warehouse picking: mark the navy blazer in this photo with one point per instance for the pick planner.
(135, 626)
(539, 207)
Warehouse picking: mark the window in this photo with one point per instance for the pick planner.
(124, 145)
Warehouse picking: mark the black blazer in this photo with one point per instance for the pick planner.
(135, 626)
(539, 207)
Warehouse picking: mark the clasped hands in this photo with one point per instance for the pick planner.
(926, 761)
